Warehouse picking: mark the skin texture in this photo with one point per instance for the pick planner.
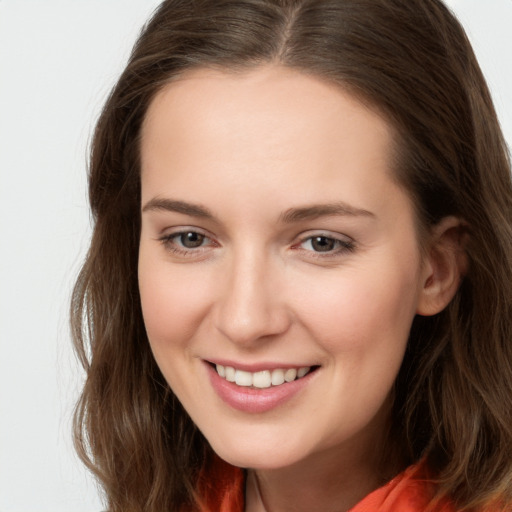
(249, 148)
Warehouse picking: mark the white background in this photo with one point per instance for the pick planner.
(58, 59)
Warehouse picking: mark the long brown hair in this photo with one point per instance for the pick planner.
(410, 59)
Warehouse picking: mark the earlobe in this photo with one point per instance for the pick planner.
(444, 267)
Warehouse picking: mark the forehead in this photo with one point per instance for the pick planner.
(276, 97)
(270, 131)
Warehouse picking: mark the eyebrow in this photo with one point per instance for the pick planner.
(323, 210)
(290, 216)
(171, 205)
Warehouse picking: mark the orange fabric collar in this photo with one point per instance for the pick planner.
(222, 489)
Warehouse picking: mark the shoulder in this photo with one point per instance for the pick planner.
(410, 491)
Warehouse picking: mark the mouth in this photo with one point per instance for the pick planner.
(262, 379)
(261, 390)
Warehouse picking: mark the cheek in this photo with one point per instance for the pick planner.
(362, 308)
(171, 303)
(173, 309)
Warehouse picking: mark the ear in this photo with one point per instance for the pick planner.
(444, 265)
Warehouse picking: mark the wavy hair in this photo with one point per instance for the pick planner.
(412, 61)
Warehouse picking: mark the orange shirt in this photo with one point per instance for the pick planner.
(407, 492)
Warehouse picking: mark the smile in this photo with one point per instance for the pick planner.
(261, 379)
(259, 391)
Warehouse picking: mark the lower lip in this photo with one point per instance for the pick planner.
(254, 400)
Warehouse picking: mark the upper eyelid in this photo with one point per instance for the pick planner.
(169, 232)
(324, 233)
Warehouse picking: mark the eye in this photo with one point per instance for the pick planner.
(187, 242)
(190, 239)
(327, 245)
(320, 243)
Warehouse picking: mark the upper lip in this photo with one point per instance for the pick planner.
(257, 367)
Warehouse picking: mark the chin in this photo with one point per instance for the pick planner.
(266, 454)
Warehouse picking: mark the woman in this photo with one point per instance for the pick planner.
(298, 291)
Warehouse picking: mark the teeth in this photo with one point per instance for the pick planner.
(243, 378)
(277, 377)
(290, 374)
(221, 370)
(302, 371)
(230, 374)
(262, 379)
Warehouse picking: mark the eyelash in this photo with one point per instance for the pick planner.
(341, 246)
(169, 243)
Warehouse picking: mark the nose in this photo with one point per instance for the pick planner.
(252, 305)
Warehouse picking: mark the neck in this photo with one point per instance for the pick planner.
(332, 481)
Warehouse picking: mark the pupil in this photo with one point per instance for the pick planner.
(191, 240)
(322, 244)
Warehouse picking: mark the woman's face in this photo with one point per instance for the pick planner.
(275, 242)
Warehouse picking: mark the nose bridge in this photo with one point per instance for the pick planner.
(251, 305)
